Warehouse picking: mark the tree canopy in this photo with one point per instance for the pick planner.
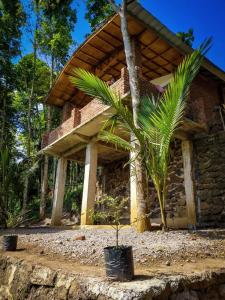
(98, 12)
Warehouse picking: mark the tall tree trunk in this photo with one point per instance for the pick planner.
(30, 100)
(143, 222)
(3, 122)
(44, 187)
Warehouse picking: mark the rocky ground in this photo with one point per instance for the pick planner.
(149, 248)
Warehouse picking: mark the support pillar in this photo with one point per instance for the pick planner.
(89, 188)
(187, 152)
(59, 192)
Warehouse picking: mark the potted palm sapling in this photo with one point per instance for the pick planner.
(118, 258)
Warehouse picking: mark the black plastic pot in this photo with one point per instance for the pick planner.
(119, 263)
(9, 242)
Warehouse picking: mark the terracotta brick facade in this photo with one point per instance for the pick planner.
(72, 119)
(203, 103)
(90, 110)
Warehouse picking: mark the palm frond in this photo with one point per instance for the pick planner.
(119, 142)
(94, 87)
(160, 121)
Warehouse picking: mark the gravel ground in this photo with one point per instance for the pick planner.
(148, 248)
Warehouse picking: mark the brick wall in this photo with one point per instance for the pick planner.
(90, 110)
(72, 119)
(204, 97)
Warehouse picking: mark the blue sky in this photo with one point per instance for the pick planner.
(206, 17)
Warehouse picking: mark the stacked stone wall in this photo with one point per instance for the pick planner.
(210, 179)
(176, 201)
(21, 279)
(113, 180)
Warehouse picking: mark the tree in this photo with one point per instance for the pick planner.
(187, 37)
(31, 88)
(143, 221)
(54, 38)
(12, 19)
(157, 119)
(98, 12)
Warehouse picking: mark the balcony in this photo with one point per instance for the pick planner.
(74, 118)
(80, 125)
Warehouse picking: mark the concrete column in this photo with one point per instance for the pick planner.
(59, 192)
(187, 152)
(133, 188)
(89, 188)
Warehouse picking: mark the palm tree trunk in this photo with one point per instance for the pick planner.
(161, 198)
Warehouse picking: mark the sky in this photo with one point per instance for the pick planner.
(206, 17)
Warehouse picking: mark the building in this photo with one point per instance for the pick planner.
(197, 177)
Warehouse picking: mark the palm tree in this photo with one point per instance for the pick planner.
(158, 118)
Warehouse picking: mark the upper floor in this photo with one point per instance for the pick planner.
(157, 53)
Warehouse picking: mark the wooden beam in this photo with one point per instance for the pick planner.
(155, 63)
(59, 192)
(108, 61)
(100, 49)
(105, 41)
(113, 36)
(187, 152)
(89, 56)
(88, 65)
(147, 47)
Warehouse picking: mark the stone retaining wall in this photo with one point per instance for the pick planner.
(21, 280)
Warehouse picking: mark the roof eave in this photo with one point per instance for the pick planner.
(137, 11)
